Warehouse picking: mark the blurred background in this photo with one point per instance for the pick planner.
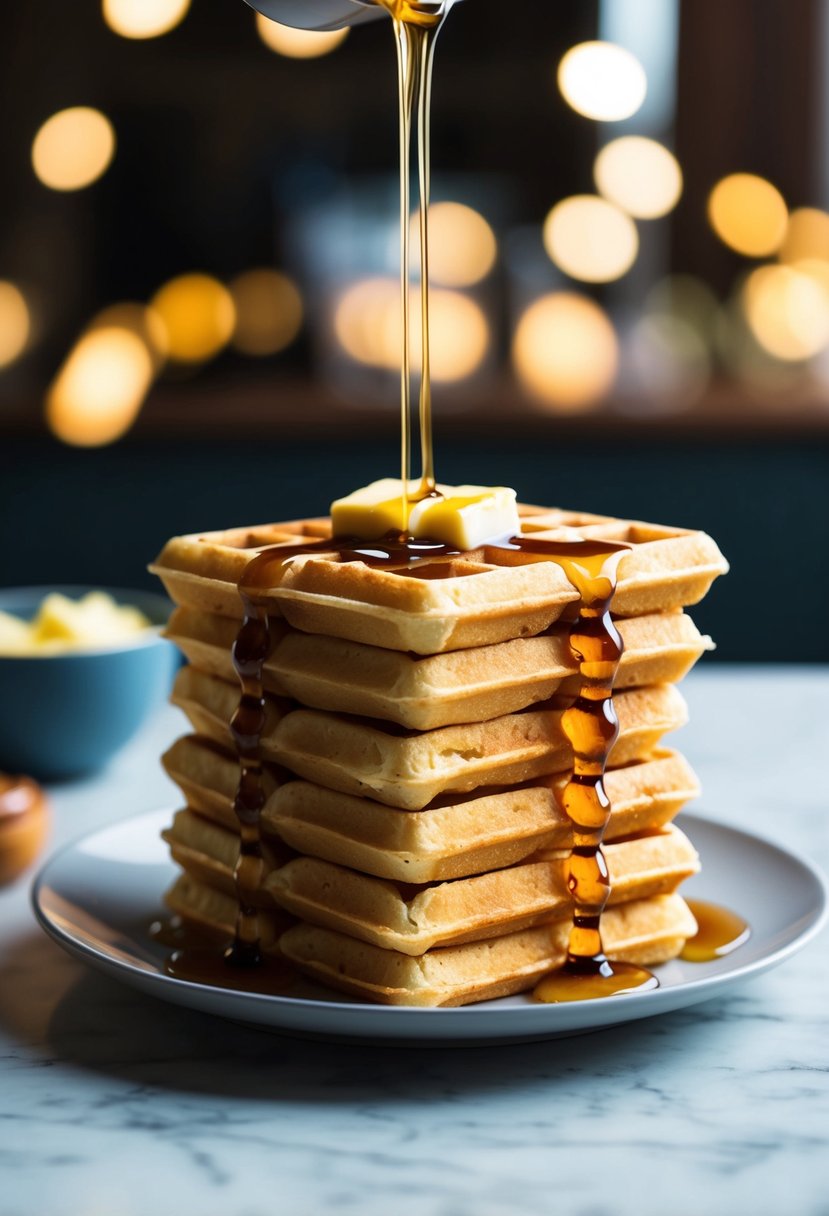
(198, 260)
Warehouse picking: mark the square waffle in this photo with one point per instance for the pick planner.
(453, 837)
(422, 693)
(645, 932)
(484, 596)
(413, 918)
(468, 834)
(417, 918)
(410, 769)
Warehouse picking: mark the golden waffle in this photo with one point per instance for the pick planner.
(210, 703)
(487, 595)
(414, 919)
(645, 932)
(439, 690)
(210, 853)
(409, 770)
(459, 836)
(213, 913)
(455, 836)
(208, 776)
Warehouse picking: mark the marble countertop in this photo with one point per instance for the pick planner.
(112, 1104)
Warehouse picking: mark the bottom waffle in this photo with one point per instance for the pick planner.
(212, 913)
(210, 853)
(647, 932)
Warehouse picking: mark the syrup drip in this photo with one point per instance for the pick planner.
(591, 726)
(250, 652)
(719, 932)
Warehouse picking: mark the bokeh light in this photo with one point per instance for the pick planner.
(198, 316)
(602, 80)
(565, 352)
(639, 175)
(748, 214)
(462, 245)
(367, 326)
(140, 320)
(143, 18)
(73, 148)
(787, 311)
(15, 323)
(297, 44)
(807, 236)
(459, 335)
(268, 311)
(590, 239)
(99, 390)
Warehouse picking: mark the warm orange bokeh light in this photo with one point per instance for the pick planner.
(590, 239)
(462, 245)
(268, 311)
(15, 323)
(807, 236)
(748, 214)
(367, 326)
(99, 390)
(787, 310)
(143, 18)
(565, 352)
(73, 148)
(639, 175)
(198, 316)
(136, 319)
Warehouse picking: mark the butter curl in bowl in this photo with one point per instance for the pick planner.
(81, 670)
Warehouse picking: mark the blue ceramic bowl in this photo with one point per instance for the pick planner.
(64, 715)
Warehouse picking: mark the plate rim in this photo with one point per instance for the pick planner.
(482, 1009)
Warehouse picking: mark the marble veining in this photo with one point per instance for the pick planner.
(114, 1105)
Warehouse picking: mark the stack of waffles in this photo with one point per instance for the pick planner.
(415, 847)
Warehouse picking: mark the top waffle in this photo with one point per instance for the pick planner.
(484, 596)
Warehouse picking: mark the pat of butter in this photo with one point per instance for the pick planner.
(373, 511)
(461, 516)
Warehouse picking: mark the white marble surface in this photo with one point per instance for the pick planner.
(114, 1105)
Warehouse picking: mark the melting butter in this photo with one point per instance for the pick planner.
(462, 517)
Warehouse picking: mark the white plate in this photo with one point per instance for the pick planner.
(98, 897)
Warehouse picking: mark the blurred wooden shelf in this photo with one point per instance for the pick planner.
(223, 408)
